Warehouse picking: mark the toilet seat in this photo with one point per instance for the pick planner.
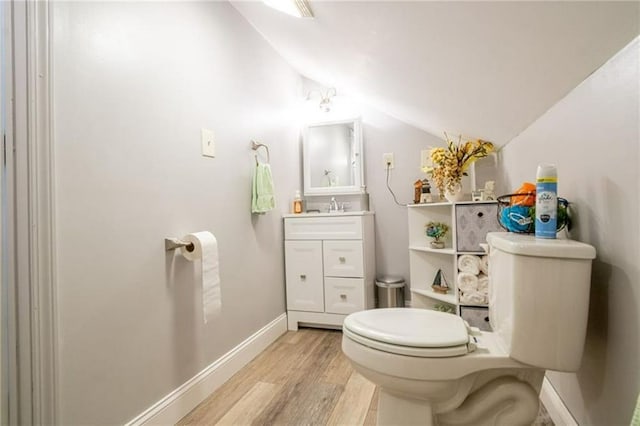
(413, 332)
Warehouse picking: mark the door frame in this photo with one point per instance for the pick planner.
(30, 251)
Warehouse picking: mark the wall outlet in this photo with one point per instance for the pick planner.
(208, 143)
(388, 160)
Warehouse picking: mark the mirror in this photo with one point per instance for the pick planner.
(332, 155)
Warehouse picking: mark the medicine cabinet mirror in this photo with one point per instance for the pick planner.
(332, 153)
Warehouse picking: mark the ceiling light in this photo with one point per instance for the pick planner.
(325, 98)
(297, 8)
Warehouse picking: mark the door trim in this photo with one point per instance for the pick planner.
(33, 226)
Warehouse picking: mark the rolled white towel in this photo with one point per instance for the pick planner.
(469, 263)
(484, 265)
(483, 284)
(472, 298)
(467, 282)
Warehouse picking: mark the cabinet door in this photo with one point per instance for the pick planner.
(344, 295)
(343, 259)
(473, 222)
(303, 260)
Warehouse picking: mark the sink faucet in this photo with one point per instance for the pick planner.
(333, 205)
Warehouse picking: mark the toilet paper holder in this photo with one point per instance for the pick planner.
(174, 243)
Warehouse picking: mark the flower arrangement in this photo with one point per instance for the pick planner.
(452, 162)
(436, 230)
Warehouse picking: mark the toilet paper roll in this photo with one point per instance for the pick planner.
(205, 248)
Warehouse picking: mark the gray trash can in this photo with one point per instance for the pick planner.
(390, 292)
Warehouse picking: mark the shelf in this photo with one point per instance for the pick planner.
(432, 250)
(477, 202)
(444, 203)
(477, 253)
(447, 298)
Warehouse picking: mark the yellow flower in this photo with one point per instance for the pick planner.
(451, 163)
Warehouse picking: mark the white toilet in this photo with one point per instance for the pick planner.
(432, 368)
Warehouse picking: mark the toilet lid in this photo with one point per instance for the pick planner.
(415, 328)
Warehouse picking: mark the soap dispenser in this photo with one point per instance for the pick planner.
(297, 203)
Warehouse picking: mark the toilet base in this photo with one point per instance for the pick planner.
(401, 411)
(500, 399)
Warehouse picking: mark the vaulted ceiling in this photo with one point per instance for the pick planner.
(482, 69)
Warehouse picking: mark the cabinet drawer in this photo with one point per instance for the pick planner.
(323, 228)
(343, 259)
(343, 295)
(476, 317)
(473, 221)
(304, 275)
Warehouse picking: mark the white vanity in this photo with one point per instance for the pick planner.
(330, 267)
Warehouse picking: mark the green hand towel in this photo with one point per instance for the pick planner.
(262, 200)
(635, 420)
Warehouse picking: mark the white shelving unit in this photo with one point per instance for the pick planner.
(425, 261)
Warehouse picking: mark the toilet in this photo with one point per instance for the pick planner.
(432, 368)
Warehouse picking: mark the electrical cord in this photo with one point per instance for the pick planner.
(391, 190)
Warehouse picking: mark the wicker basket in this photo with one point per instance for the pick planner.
(515, 215)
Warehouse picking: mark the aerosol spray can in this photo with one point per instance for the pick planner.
(546, 201)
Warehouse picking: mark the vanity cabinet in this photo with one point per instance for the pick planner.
(329, 267)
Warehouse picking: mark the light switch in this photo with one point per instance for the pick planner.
(208, 143)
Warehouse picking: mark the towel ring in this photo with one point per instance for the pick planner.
(255, 145)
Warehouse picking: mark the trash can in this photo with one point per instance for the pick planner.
(390, 292)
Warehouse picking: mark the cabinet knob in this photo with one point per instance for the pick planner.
(343, 296)
(342, 259)
(303, 277)
(480, 214)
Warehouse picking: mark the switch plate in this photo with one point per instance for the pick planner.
(208, 143)
(388, 160)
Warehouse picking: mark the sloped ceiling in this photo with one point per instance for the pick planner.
(482, 69)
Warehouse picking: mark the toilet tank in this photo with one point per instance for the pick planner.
(539, 298)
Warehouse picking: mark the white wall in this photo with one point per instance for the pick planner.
(133, 85)
(383, 134)
(593, 136)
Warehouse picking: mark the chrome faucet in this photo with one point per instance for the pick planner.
(333, 205)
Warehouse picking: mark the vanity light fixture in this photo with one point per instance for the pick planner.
(297, 8)
(325, 98)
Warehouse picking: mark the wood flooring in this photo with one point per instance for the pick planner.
(301, 379)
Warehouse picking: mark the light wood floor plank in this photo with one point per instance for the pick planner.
(216, 405)
(339, 369)
(295, 357)
(372, 414)
(305, 399)
(245, 410)
(354, 403)
(301, 379)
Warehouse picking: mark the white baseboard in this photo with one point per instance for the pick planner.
(558, 412)
(170, 409)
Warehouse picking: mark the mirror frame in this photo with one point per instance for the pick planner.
(357, 186)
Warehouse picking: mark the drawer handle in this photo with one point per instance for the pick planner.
(480, 214)
(343, 296)
(303, 277)
(342, 259)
